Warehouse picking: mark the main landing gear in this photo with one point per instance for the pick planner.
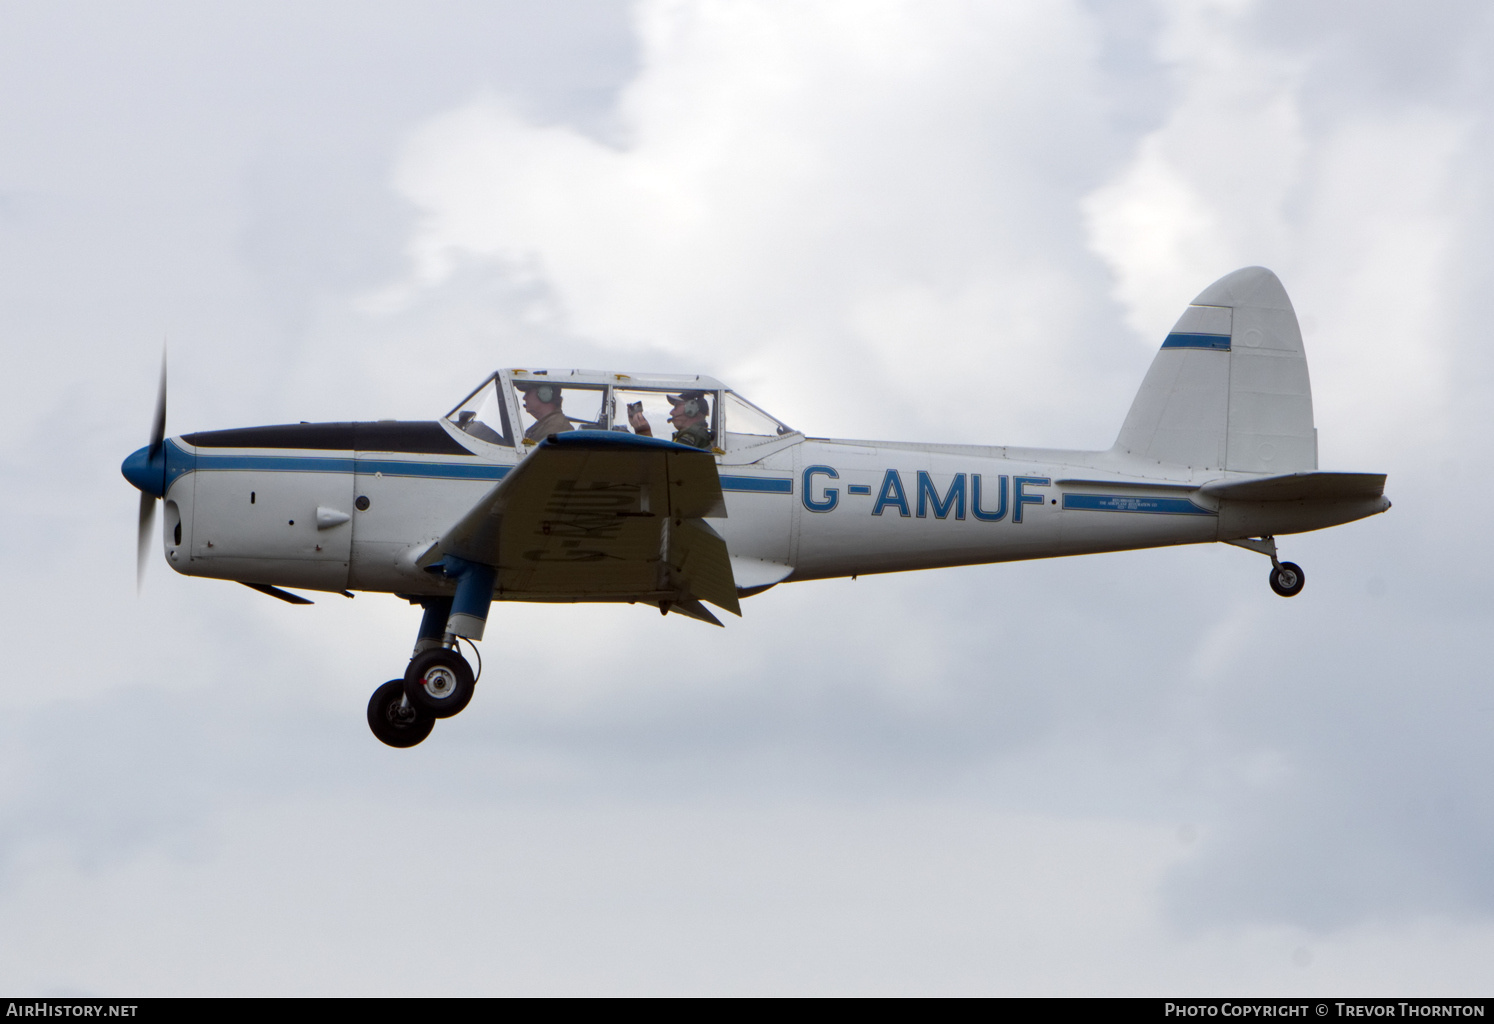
(1287, 578)
(438, 683)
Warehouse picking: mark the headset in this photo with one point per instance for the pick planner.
(546, 393)
(693, 406)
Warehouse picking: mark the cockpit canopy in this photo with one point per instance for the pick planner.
(513, 408)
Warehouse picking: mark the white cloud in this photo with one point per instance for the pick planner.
(804, 196)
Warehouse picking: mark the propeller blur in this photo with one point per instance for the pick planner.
(146, 470)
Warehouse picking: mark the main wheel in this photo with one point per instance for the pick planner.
(1287, 579)
(439, 682)
(394, 720)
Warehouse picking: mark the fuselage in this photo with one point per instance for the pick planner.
(353, 506)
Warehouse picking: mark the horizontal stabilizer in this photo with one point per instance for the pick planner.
(1299, 487)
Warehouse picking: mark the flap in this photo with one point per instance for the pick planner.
(599, 515)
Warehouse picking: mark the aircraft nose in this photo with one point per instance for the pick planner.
(146, 473)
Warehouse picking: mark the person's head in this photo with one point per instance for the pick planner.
(540, 400)
(689, 409)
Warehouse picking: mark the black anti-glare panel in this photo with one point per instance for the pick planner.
(424, 437)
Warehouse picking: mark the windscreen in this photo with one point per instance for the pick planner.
(748, 425)
(484, 415)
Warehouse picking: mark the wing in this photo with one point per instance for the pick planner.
(595, 515)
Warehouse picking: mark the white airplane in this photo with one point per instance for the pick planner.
(560, 485)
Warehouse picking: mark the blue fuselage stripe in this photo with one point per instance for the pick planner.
(1214, 342)
(408, 468)
(1131, 503)
(440, 470)
(757, 484)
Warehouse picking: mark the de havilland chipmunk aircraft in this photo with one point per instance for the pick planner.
(676, 492)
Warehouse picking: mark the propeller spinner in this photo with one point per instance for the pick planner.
(146, 469)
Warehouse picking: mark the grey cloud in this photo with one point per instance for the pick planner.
(1382, 52)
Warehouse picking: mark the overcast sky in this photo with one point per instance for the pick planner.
(1139, 773)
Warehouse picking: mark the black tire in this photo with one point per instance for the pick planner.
(439, 682)
(1287, 579)
(394, 721)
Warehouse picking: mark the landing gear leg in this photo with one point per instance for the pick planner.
(1287, 578)
(392, 716)
(432, 625)
(438, 682)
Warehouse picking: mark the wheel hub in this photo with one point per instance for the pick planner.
(439, 682)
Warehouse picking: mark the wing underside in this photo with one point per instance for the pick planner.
(598, 516)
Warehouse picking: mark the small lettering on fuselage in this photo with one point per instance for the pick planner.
(985, 497)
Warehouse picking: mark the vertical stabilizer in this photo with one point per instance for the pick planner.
(1229, 389)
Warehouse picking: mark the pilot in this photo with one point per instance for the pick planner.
(690, 416)
(542, 401)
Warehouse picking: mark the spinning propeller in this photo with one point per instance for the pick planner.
(146, 469)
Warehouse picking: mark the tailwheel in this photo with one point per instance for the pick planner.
(394, 720)
(439, 682)
(1287, 579)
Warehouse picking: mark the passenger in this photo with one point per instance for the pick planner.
(542, 401)
(691, 418)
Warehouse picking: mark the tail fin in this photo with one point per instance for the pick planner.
(1229, 389)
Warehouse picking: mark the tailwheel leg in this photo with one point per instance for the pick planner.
(1287, 578)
